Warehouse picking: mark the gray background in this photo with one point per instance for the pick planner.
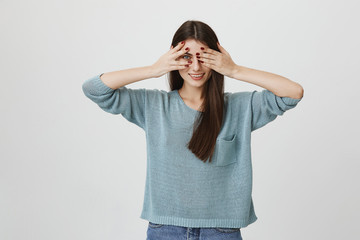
(69, 170)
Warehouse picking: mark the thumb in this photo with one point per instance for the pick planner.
(221, 48)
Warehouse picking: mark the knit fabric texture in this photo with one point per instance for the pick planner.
(181, 189)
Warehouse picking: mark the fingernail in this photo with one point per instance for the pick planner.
(202, 48)
(189, 61)
(186, 48)
(182, 42)
(201, 61)
(198, 56)
(197, 53)
(186, 65)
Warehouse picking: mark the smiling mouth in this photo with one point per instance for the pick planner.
(197, 75)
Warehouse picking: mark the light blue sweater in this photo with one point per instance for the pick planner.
(180, 189)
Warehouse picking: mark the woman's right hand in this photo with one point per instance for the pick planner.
(169, 62)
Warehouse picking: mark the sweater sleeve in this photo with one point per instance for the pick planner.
(266, 106)
(130, 103)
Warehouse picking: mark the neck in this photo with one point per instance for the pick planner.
(191, 93)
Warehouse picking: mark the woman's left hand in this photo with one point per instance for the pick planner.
(221, 62)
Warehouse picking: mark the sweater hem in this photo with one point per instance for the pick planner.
(199, 223)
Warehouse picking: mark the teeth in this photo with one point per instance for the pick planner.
(197, 75)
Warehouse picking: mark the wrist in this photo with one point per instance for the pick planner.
(151, 71)
(154, 73)
(235, 72)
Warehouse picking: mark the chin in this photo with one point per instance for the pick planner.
(197, 83)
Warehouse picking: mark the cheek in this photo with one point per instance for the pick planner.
(182, 71)
(206, 69)
(209, 75)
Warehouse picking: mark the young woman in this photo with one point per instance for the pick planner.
(199, 171)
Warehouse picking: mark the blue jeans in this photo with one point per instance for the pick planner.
(169, 232)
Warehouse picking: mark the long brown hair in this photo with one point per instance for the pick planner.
(208, 124)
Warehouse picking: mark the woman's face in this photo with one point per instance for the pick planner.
(196, 68)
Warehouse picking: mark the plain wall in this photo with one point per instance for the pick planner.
(69, 170)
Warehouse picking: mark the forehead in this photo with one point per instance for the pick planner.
(192, 43)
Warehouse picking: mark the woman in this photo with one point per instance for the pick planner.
(199, 172)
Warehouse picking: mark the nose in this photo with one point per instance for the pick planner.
(196, 64)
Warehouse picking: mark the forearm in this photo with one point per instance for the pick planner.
(118, 79)
(279, 85)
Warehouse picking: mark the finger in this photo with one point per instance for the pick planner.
(211, 63)
(180, 66)
(181, 62)
(207, 56)
(181, 58)
(178, 47)
(222, 49)
(207, 60)
(181, 52)
(210, 55)
(210, 51)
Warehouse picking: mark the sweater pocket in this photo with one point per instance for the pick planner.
(155, 225)
(225, 151)
(227, 230)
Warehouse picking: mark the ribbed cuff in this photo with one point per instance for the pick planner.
(291, 101)
(287, 100)
(100, 85)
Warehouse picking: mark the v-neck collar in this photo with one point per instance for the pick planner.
(182, 100)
